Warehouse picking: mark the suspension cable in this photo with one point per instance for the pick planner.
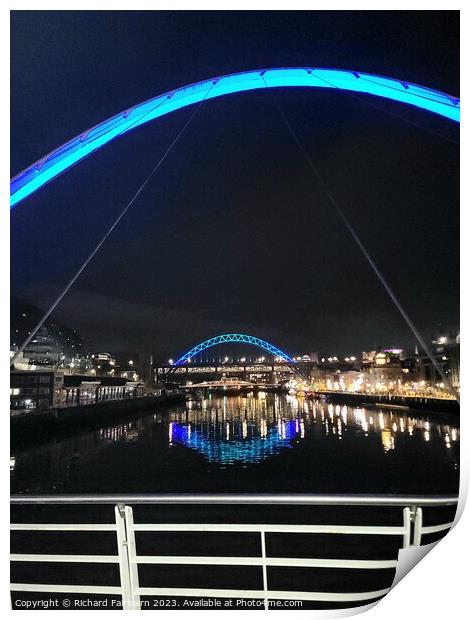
(361, 246)
(110, 229)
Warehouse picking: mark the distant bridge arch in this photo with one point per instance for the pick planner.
(237, 338)
(65, 156)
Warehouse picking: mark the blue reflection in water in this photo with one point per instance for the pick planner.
(263, 443)
(232, 443)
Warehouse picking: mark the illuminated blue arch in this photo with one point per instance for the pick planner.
(62, 158)
(212, 342)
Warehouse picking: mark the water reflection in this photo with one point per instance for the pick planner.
(238, 441)
(280, 442)
(250, 429)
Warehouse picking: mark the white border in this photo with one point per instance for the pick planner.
(440, 586)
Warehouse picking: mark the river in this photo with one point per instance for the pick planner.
(256, 442)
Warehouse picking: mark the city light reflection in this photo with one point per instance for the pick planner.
(242, 430)
(248, 429)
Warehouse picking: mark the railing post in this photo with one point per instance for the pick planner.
(265, 570)
(132, 553)
(418, 527)
(406, 527)
(123, 557)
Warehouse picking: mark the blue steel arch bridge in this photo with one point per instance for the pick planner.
(237, 338)
(191, 364)
(87, 142)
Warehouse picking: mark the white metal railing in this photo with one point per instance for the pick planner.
(411, 530)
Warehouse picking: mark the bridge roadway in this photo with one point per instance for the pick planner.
(252, 372)
(232, 384)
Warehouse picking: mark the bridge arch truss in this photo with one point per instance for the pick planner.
(234, 338)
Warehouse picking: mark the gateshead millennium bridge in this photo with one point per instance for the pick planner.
(90, 140)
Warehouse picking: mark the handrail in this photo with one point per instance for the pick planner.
(411, 530)
(244, 499)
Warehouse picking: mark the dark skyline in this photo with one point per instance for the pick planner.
(233, 233)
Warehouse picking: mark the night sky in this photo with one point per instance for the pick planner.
(233, 233)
